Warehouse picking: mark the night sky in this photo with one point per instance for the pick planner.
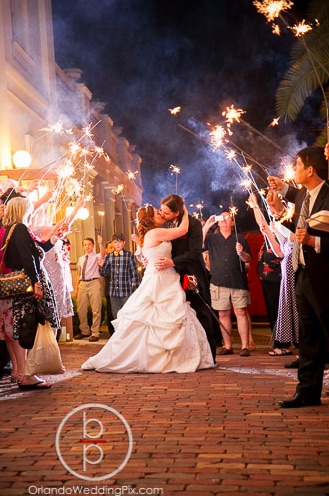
(143, 57)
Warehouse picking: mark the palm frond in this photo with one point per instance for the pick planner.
(322, 139)
(298, 84)
(318, 9)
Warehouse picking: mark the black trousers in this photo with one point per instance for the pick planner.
(313, 310)
(271, 292)
(205, 318)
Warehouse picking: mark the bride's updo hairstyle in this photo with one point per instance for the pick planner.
(145, 221)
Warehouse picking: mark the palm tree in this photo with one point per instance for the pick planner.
(309, 69)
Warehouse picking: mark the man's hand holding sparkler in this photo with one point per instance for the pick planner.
(275, 183)
(245, 257)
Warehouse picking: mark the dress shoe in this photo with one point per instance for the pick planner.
(81, 336)
(225, 351)
(245, 352)
(299, 401)
(93, 339)
(292, 365)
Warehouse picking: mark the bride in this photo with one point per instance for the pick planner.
(156, 331)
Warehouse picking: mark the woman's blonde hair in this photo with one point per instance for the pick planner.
(145, 222)
(15, 211)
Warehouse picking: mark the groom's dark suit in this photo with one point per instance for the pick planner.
(188, 259)
(312, 295)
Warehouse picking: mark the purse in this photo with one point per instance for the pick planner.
(28, 328)
(16, 283)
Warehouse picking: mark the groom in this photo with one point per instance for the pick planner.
(187, 259)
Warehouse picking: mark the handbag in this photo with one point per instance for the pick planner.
(28, 328)
(16, 283)
(44, 357)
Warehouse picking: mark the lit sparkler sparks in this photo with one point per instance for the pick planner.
(175, 110)
(288, 215)
(230, 155)
(276, 29)
(72, 187)
(87, 131)
(66, 170)
(288, 173)
(272, 9)
(275, 122)
(118, 189)
(199, 206)
(246, 184)
(57, 128)
(131, 175)
(301, 28)
(233, 211)
(175, 170)
(74, 148)
(217, 136)
(232, 114)
(246, 169)
(99, 150)
(101, 214)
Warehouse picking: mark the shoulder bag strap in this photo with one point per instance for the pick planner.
(5, 246)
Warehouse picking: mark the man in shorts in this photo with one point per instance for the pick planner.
(228, 254)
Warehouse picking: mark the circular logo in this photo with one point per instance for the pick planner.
(94, 442)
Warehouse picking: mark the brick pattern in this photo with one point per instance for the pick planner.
(214, 432)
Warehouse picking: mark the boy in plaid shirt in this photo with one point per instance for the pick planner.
(121, 270)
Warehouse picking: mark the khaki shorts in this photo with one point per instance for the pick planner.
(223, 298)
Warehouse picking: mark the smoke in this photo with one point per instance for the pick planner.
(143, 57)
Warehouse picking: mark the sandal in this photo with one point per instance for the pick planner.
(282, 352)
(35, 385)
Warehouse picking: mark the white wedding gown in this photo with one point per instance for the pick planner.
(156, 331)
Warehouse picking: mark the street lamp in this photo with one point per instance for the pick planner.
(22, 159)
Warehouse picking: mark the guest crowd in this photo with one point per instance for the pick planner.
(210, 261)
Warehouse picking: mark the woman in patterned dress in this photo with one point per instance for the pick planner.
(24, 252)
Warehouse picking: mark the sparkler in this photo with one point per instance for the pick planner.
(131, 175)
(101, 214)
(233, 211)
(289, 174)
(232, 114)
(119, 191)
(200, 207)
(301, 28)
(273, 9)
(175, 170)
(275, 122)
(217, 136)
(175, 110)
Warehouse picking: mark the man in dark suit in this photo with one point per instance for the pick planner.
(312, 276)
(187, 259)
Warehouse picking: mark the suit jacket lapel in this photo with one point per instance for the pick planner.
(318, 204)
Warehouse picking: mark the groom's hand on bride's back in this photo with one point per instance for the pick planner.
(163, 263)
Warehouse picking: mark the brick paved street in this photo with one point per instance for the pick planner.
(217, 432)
